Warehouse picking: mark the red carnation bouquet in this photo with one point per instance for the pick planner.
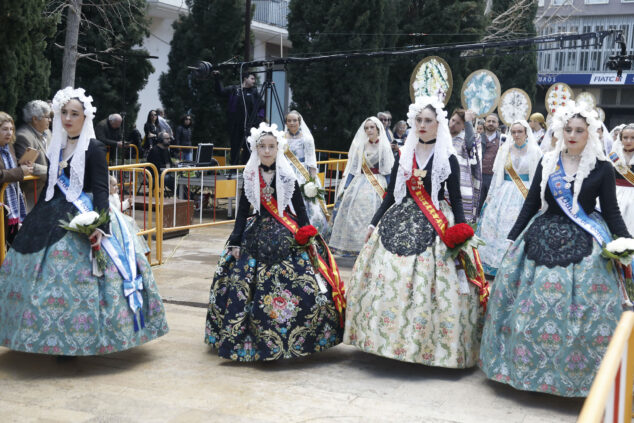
(305, 235)
(459, 239)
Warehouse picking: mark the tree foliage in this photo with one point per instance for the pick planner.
(109, 68)
(442, 22)
(335, 97)
(25, 70)
(214, 32)
(518, 68)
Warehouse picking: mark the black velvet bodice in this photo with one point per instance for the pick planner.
(600, 183)
(41, 226)
(452, 184)
(237, 236)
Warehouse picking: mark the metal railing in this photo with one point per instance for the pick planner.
(271, 12)
(131, 158)
(331, 177)
(610, 397)
(150, 198)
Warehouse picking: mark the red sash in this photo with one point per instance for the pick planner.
(440, 223)
(327, 269)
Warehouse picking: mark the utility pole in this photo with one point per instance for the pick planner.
(247, 31)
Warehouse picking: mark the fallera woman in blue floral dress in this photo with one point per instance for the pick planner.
(556, 300)
(53, 298)
(267, 301)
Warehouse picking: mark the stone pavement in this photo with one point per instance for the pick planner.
(178, 379)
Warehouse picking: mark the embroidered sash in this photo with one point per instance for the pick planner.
(327, 269)
(440, 223)
(508, 167)
(123, 257)
(562, 193)
(372, 179)
(622, 168)
(302, 170)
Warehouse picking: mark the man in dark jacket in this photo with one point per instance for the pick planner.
(110, 132)
(243, 101)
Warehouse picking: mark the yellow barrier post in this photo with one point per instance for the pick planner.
(151, 172)
(610, 397)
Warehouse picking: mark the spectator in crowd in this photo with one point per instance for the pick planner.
(162, 122)
(490, 141)
(109, 131)
(244, 99)
(15, 209)
(400, 132)
(386, 120)
(538, 126)
(34, 134)
(159, 156)
(183, 136)
(151, 129)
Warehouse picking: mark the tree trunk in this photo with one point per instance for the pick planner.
(73, 19)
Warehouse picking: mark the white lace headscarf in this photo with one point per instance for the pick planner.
(607, 139)
(615, 133)
(357, 151)
(532, 150)
(59, 138)
(443, 149)
(284, 175)
(589, 156)
(617, 147)
(310, 160)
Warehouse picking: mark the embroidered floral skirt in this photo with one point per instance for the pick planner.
(405, 299)
(51, 303)
(548, 325)
(268, 305)
(499, 214)
(353, 213)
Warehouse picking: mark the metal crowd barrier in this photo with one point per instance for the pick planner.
(610, 397)
(128, 181)
(131, 147)
(223, 182)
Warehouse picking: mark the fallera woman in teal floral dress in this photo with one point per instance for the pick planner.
(53, 298)
(556, 301)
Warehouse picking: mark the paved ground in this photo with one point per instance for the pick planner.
(177, 379)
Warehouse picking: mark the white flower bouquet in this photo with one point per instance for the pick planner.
(621, 249)
(312, 191)
(86, 223)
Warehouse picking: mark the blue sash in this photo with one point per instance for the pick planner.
(123, 257)
(523, 177)
(563, 196)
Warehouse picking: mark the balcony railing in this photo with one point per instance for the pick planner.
(271, 12)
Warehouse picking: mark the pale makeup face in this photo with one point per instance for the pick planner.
(292, 122)
(535, 126)
(426, 125)
(627, 139)
(6, 133)
(371, 130)
(518, 132)
(267, 149)
(576, 135)
(73, 117)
